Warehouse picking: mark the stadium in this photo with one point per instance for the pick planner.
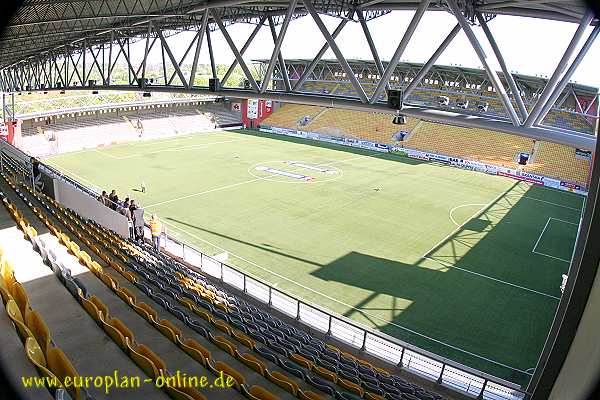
(188, 214)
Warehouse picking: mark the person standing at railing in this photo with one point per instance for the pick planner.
(36, 174)
(155, 231)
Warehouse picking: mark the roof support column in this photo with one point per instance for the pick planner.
(507, 75)
(491, 73)
(427, 66)
(203, 26)
(234, 49)
(281, 60)
(336, 50)
(565, 79)
(412, 26)
(317, 58)
(371, 44)
(562, 65)
(243, 50)
(278, 43)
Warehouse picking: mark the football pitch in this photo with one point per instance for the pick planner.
(459, 263)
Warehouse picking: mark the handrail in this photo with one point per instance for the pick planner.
(443, 371)
(97, 107)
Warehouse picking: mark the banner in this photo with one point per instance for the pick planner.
(252, 112)
(586, 154)
(426, 156)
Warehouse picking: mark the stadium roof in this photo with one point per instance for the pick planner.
(44, 25)
(535, 82)
(71, 44)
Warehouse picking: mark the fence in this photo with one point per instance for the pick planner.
(410, 358)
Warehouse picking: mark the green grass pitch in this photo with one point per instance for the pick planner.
(460, 263)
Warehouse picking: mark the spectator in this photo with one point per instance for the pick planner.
(37, 175)
(155, 231)
(132, 232)
(103, 198)
(126, 203)
(113, 199)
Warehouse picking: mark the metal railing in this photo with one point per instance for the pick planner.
(118, 106)
(410, 358)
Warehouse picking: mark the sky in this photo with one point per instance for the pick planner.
(530, 46)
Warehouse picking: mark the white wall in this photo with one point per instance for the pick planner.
(88, 207)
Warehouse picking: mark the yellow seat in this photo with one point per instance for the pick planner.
(283, 381)
(39, 329)
(20, 297)
(308, 395)
(129, 276)
(252, 362)
(147, 312)
(126, 295)
(7, 272)
(223, 344)
(298, 359)
(373, 396)
(149, 362)
(37, 358)
(100, 306)
(184, 393)
(60, 365)
(15, 315)
(92, 309)
(168, 329)
(109, 281)
(203, 314)
(351, 387)
(6, 296)
(186, 302)
(220, 366)
(223, 326)
(244, 339)
(325, 373)
(195, 350)
(120, 333)
(261, 393)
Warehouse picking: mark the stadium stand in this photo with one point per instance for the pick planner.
(472, 144)
(133, 295)
(292, 116)
(74, 132)
(365, 126)
(562, 119)
(481, 145)
(559, 161)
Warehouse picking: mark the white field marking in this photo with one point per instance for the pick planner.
(566, 222)
(336, 300)
(459, 227)
(342, 303)
(542, 234)
(199, 145)
(230, 186)
(548, 202)
(461, 206)
(181, 148)
(150, 141)
(548, 255)
(449, 265)
(274, 177)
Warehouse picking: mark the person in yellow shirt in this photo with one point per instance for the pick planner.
(155, 231)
